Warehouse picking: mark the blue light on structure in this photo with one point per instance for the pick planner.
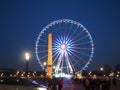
(72, 47)
(63, 44)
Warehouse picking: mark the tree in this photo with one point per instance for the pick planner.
(117, 67)
(107, 69)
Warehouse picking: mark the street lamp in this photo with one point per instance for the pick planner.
(27, 57)
(44, 63)
(101, 69)
(45, 66)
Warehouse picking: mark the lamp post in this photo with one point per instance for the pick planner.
(45, 65)
(27, 57)
(101, 69)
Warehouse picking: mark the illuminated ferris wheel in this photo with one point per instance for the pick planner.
(72, 46)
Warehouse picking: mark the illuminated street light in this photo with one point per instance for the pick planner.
(101, 69)
(53, 67)
(44, 63)
(27, 57)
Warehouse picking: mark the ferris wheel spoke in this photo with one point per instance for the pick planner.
(70, 29)
(73, 59)
(55, 31)
(80, 58)
(75, 64)
(46, 34)
(82, 53)
(65, 27)
(64, 67)
(71, 26)
(81, 38)
(42, 51)
(84, 37)
(77, 48)
(55, 50)
(56, 55)
(59, 28)
(74, 31)
(58, 64)
(42, 45)
(42, 58)
(78, 34)
(68, 62)
(88, 42)
(43, 40)
(67, 67)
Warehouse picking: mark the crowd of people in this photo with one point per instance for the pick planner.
(55, 84)
(103, 83)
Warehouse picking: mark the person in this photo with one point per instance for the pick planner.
(92, 84)
(106, 83)
(86, 83)
(114, 81)
(54, 83)
(60, 84)
(98, 83)
(49, 84)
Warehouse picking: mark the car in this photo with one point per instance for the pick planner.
(20, 83)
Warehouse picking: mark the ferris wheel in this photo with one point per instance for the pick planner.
(72, 46)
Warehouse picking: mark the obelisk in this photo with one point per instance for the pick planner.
(49, 62)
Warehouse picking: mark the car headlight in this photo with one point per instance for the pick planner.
(40, 88)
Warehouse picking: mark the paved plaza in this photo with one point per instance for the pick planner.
(69, 85)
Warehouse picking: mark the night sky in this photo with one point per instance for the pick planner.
(22, 20)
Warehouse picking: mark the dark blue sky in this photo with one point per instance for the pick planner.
(22, 20)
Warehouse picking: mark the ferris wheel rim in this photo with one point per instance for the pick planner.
(60, 21)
